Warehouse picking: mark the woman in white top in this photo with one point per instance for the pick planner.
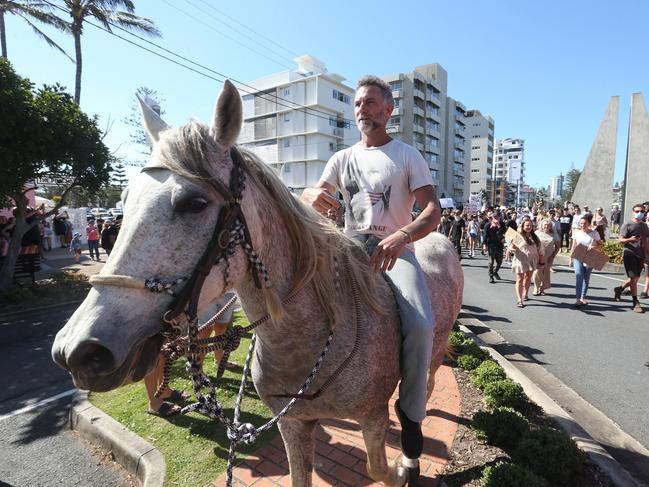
(589, 238)
(473, 230)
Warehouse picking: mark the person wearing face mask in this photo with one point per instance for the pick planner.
(634, 234)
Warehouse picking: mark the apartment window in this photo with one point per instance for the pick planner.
(287, 142)
(395, 121)
(475, 147)
(397, 102)
(434, 173)
(475, 170)
(475, 158)
(337, 95)
(432, 158)
(337, 122)
(287, 91)
(395, 85)
(475, 182)
(287, 117)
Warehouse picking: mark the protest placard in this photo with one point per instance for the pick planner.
(516, 238)
(592, 258)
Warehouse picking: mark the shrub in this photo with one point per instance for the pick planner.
(455, 340)
(506, 393)
(552, 454)
(469, 347)
(509, 475)
(502, 427)
(468, 362)
(489, 371)
(614, 250)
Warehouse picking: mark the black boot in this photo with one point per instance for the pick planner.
(491, 279)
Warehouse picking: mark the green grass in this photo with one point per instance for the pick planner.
(195, 447)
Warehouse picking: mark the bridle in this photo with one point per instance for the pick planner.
(230, 230)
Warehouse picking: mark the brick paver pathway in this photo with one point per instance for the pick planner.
(340, 452)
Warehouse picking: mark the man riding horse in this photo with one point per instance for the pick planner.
(380, 179)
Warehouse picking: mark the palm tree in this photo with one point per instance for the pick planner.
(27, 10)
(104, 12)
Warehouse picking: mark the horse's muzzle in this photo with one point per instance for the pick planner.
(93, 366)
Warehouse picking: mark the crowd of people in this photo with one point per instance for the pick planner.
(59, 231)
(543, 235)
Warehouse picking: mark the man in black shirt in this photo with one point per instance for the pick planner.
(456, 232)
(634, 234)
(494, 241)
(565, 220)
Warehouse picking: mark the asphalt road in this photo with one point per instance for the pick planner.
(599, 351)
(36, 446)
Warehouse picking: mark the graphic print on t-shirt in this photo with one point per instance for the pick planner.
(365, 206)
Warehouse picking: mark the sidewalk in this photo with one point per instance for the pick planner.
(57, 260)
(340, 451)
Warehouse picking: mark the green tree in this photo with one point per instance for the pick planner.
(43, 134)
(105, 12)
(29, 10)
(119, 175)
(572, 178)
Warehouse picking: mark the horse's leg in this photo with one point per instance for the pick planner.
(299, 441)
(375, 430)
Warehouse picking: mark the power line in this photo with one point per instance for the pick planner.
(292, 53)
(265, 46)
(274, 98)
(200, 21)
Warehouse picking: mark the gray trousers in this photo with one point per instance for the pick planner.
(417, 329)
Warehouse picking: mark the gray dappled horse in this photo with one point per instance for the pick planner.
(170, 214)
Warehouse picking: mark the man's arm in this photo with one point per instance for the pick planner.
(320, 198)
(389, 249)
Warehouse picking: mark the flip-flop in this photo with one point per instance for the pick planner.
(177, 396)
(166, 410)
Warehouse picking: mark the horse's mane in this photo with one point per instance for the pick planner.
(191, 152)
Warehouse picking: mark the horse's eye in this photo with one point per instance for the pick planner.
(194, 205)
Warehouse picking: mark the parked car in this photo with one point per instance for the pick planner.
(98, 211)
(115, 211)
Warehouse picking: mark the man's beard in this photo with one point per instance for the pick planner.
(367, 125)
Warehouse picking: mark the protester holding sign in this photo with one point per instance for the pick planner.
(528, 256)
(589, 239)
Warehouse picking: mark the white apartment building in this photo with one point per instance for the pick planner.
(509, 170)
(480, 135)
(426, 118)
(556, 187)
(296, 120)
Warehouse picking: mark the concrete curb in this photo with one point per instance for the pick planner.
(585, 442)
(132, 452)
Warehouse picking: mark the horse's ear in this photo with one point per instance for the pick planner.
(153, 124)
(228, 116)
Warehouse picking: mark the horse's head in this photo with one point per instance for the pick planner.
(170, 213)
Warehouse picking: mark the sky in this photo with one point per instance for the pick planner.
(545, 71)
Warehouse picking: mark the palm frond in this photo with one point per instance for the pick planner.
(45, 37)
(135, 22)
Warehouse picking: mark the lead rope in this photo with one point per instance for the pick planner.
(209, 405)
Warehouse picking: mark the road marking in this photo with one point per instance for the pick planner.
(593, 274)
(38, 404)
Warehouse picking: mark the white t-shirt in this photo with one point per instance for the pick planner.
(582, 238)
(377, 185)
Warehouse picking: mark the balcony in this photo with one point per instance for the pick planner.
(419, 146)
(397, 93)
(418, 94)
(393, 129)
(397, 111)
(418, 111)
(431, 147)
(338, 131)
(458, 185)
